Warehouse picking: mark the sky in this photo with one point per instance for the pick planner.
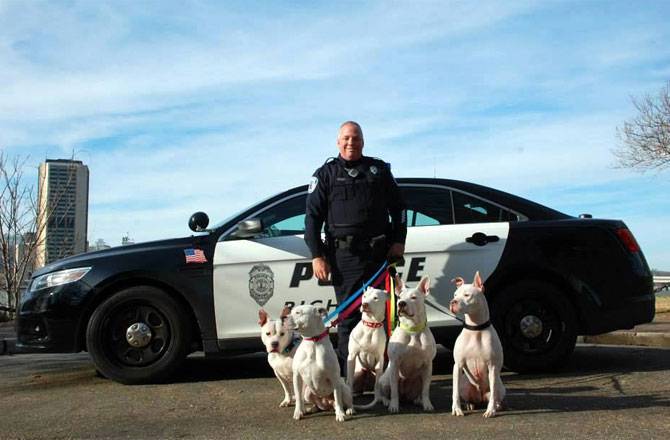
(185, 106)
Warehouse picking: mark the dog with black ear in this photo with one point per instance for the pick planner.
(281, 344)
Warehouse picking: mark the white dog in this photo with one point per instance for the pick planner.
(315, 366)
(478, 354)
(367, 341)
(281, 344)
(411, 351)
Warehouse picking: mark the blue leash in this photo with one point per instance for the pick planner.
(354, 295)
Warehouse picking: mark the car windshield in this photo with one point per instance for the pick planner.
(227, 219)
(238, 213)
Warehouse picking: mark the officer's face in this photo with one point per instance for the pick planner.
(350, 142)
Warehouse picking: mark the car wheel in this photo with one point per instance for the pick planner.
(138, 335)
(536, 324)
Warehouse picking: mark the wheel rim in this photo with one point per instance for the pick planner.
(533, 327)
(136, 334)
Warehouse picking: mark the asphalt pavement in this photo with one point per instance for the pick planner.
(602, 392)
(614, 386)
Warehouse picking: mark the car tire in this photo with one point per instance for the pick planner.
(537, 326)
(138, 335)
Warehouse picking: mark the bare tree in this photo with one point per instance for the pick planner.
(21, 231)
(646, 137)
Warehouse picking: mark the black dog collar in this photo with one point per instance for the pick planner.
(294, 343)
(477, 327)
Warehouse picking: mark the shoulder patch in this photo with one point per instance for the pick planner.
(312, 185)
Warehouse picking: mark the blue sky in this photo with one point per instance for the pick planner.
(185, 106)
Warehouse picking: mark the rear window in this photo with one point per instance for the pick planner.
(470, 209)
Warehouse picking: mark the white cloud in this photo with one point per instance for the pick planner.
(212, 107)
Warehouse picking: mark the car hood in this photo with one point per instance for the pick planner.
(90, 258)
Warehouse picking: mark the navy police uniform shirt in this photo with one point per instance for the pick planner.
(354, 199)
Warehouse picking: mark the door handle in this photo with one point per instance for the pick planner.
(481, 239)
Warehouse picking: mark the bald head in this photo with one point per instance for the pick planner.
(350, 141)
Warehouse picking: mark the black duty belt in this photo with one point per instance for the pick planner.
(354, 242)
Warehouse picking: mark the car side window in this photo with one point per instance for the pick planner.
(470, 209)
(427, 206)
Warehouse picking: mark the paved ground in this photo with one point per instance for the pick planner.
(604, 392)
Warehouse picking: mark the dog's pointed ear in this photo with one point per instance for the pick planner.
(458, 281)
(385, 295)
(285, 312)
(322, 312)
(262, 317)
(424, 285)
(398, 284)
(478, 281)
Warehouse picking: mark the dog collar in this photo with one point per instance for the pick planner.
(317, 338)
(294, 343)
(477, 327)
(372, 324)
(413, 328)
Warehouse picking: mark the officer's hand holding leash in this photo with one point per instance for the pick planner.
(321, 268)
(397, 250)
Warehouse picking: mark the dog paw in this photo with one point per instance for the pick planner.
(284, 403)
(339, 416)
(297, 415)
(350, 411)
(394, 407)
(427, 406)
(490, 413)
(470, 406)
(457, 411)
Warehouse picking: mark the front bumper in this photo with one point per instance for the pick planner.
(49, 320)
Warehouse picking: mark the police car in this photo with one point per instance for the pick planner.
(140, 310)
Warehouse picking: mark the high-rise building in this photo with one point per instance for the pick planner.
(63, 210)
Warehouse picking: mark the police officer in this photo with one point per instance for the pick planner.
(355, 196)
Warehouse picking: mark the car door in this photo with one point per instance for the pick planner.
(450, 234)
(269, 271)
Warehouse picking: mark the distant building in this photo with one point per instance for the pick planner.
(126, 240)
(99, 245)
(63, 210)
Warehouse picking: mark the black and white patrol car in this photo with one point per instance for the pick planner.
(140, 309)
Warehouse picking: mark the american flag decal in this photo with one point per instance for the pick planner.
(195, 256)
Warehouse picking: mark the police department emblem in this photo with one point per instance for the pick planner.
(312, 184)
(261, 283)
(373, 169)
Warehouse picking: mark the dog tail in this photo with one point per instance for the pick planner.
(374, 402)
(369, 405)
(470, 377)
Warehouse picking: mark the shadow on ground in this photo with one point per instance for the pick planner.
(586, 360)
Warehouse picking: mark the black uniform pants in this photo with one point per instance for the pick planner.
(350, 268)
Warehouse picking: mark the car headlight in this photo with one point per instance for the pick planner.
(59, 278)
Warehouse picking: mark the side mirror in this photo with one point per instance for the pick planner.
(248, 228)
(198, 222)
